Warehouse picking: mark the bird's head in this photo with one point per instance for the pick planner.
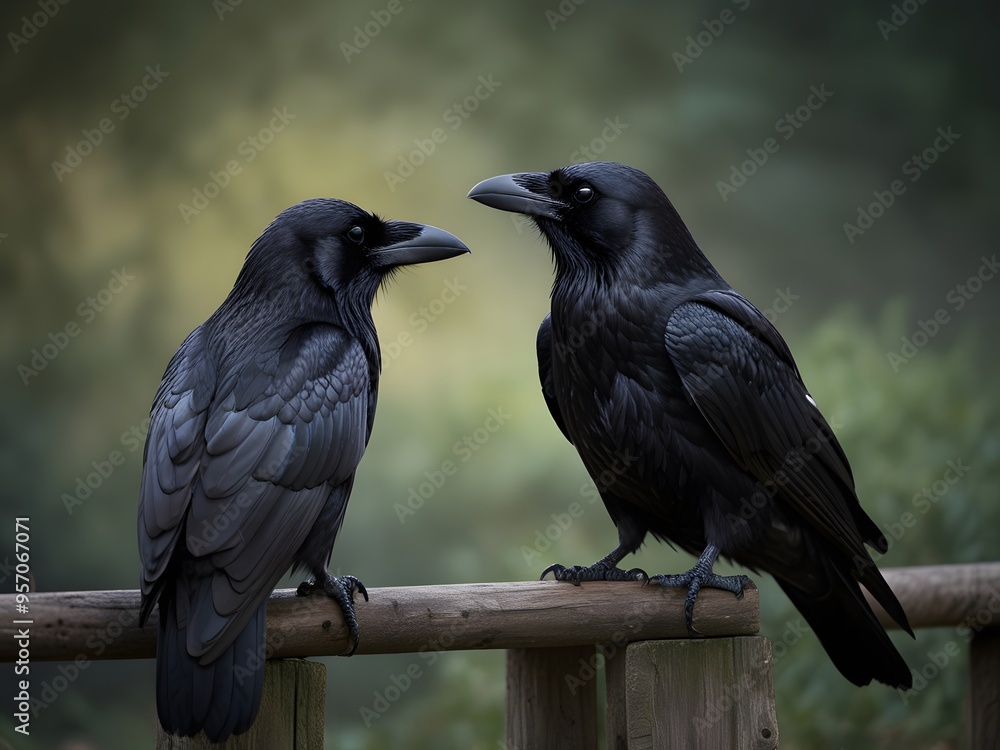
(339, 250)
(598, 215)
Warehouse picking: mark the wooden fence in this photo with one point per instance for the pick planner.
(664, 689)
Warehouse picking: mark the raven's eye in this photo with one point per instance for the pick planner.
(356, 235)
(583, 194)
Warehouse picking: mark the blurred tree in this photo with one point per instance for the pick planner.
(847, 302)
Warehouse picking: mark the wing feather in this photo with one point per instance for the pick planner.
(543, 348)
(750, 393)
(245, 475)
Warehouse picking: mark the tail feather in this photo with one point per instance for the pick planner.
(872, 579)
(221, 697)
(848, 629)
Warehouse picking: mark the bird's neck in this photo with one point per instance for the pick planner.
(582, 308)
(356, 315)
(263, 322)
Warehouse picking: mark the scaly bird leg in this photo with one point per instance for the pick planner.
(698, 577)
(342, 591)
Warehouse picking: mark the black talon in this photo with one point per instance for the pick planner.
(342, 591)
(637, 574)
(701, 576)
(354, 585)
(602, 570)
(555, 569)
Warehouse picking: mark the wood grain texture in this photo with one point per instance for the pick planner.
(939, 595)
(982, 710)
(292, 711)
(616, 728)
(551, 699)
(104, 624)
(701, 695)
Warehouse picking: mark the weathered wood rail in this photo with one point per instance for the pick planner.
(664, 689)
(396, 620)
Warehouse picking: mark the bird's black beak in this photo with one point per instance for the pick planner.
(508, 193)
(423, 244)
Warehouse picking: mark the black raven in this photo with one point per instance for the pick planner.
(255, 434)
(689, 413)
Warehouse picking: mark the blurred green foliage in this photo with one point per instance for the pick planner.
(560, 79)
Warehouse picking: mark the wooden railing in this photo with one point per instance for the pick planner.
(663, 688)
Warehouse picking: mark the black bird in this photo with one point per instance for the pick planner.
(255, 434)
(689, 413)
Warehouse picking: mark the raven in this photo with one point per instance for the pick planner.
(689, 413)
(255, 434)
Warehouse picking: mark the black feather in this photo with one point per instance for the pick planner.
(255, 434)
(694, 385)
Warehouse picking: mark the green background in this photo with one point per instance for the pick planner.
(558, 73)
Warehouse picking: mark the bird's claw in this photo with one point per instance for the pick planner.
(599, 571)
(342, 591)
(695, 580)
(354, 585)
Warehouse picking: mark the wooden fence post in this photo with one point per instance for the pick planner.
(616, 728)
(694, 694)
(551, 698)
(982, 709)
(291, 715)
